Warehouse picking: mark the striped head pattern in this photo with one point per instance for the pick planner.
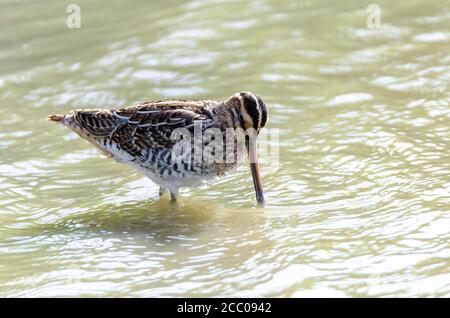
(252, 110)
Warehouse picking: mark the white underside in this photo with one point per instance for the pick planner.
(171, 183)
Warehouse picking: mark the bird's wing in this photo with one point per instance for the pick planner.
(143, 126)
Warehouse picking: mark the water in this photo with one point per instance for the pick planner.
(358, 205)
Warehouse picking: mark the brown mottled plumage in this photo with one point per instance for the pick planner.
(141, 135)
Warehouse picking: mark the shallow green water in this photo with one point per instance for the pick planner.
(358, 204)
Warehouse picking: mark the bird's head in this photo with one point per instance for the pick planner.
(252, 110)
(252, 114)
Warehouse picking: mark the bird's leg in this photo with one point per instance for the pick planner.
(173, 196)
(162, 191)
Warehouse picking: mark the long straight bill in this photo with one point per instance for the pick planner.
(256, 174)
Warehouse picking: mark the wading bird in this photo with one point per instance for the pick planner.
(141, 135)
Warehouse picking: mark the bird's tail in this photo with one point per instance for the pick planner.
(88, 124)
(57, 118)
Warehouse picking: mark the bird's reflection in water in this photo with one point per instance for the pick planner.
(157, 219)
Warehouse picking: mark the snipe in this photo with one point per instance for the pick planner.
(142, 136)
